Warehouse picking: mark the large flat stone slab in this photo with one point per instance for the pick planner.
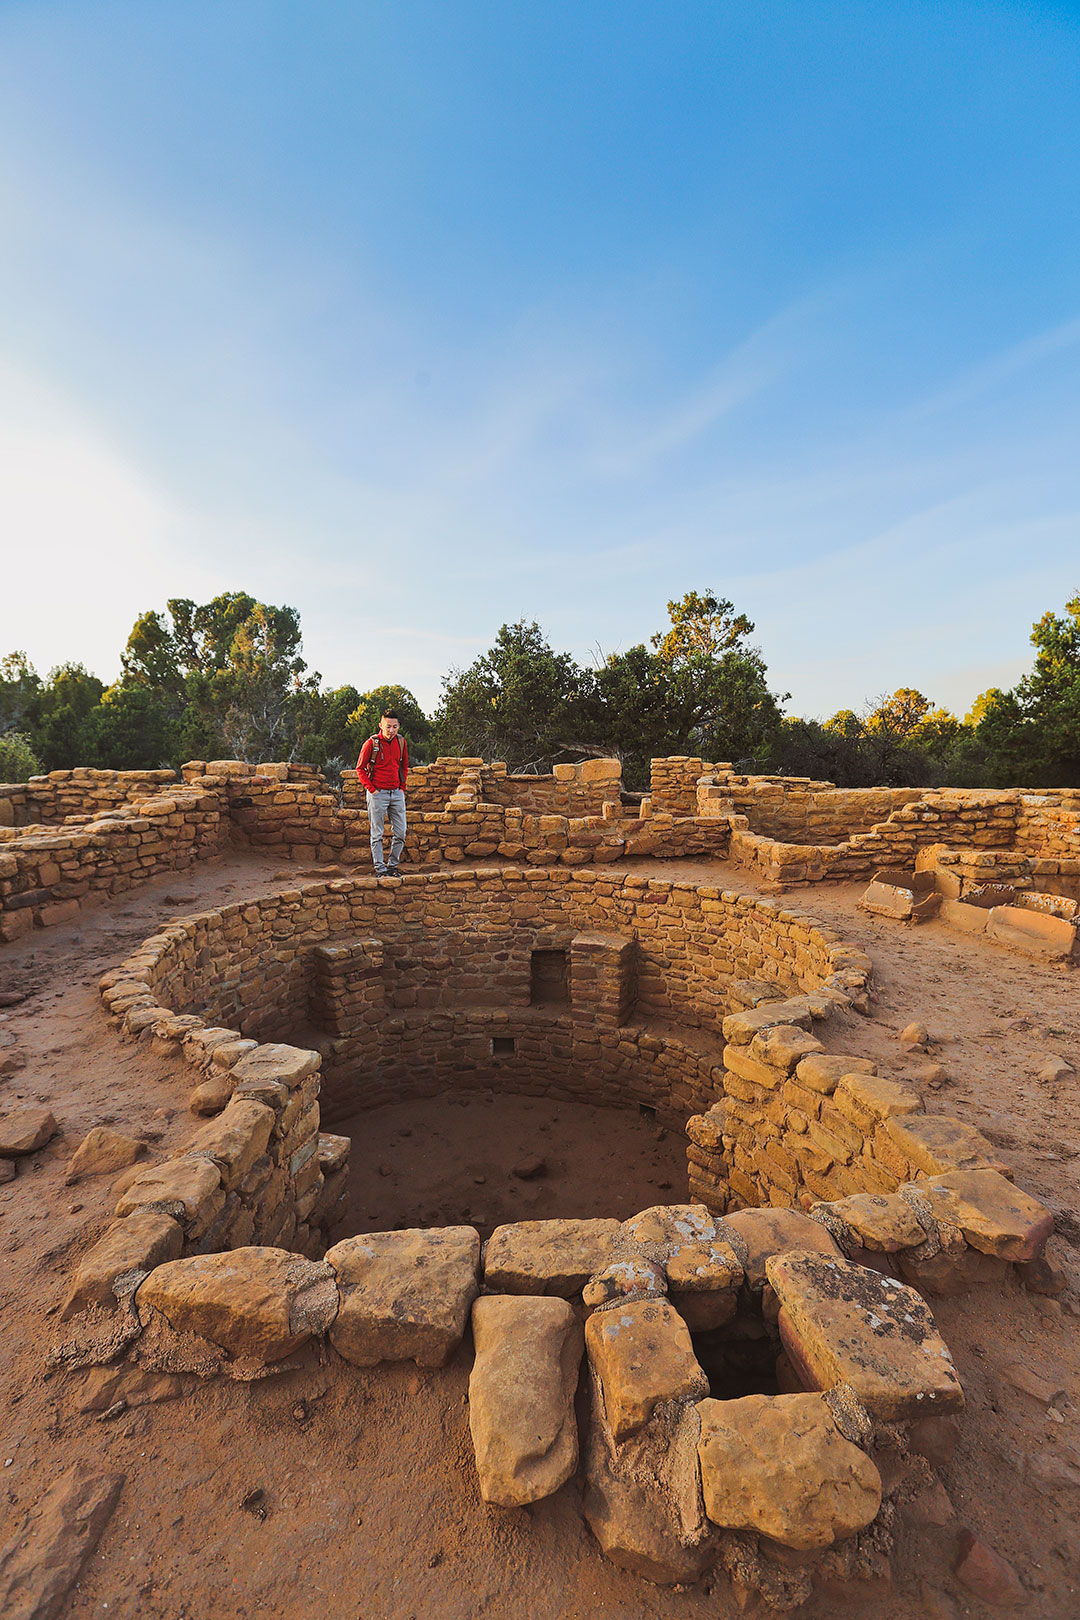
(547, 1257)
(285, 1065)
(774, 1231)
(254, 1302)
(129, 1248)
(741, 1027)
(643, 1355)
(994, 1216)
(404, 1295)
(521, 1396)
(935, 1143)
(779, 1465)
(1034, 933)
(843, 1324)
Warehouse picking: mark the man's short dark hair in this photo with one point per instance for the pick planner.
(390, 714)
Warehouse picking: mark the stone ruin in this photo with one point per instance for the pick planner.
(738, 1376)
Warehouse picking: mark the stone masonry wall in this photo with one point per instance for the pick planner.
(46, 877)
(78, 792)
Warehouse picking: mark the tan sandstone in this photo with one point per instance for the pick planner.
(404, 1295)
(642, 1354)
(255, 1302)
(843, 1324)
(779, 1465)
(521, 1396)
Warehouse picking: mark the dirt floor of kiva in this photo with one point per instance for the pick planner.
(351, 1493)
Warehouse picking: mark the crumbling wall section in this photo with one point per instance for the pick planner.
(48, 877)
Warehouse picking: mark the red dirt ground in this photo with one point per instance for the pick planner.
(371, 1506)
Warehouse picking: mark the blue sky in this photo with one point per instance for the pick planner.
(425, 317)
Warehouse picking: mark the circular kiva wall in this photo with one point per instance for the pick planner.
(585, 985)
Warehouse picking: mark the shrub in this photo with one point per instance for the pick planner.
(18, 762)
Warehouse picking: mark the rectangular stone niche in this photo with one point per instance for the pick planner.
(347, 985)
(549, 978)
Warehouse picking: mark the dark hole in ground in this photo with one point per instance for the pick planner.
(451, 1161)
(738, 1366)
(502, 1045)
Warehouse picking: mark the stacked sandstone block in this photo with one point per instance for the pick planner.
(1049, 825)
(83, 792)
(782, 1492)
(799, 1126)
(47, 877)
(260, 1171)
(984, 820)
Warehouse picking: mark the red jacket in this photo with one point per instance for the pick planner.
(390, 765)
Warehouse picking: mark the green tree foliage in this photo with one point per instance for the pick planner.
(1031, 735)
(520, 701)
(703, 690)
(20, 693)
(226, 677)
(64, 730)
(363, 720)
(18, 762)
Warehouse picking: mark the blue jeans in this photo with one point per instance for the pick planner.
(387, 802)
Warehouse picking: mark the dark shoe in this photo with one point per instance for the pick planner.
(392, 871)
(382, 871)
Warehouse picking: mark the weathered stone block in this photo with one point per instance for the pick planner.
(1034, 933)
(879, 1097)
(287, 1065)
(25, 1130)
(843, 1324)
(547, 1257)
(258, 1302)
(783, 1046)
(767, 1232)
(823, 1071)
(137, 1244)
(936, 1143)
(404, 1295)
(101, 1152)
(882, 1222)
(642, 1354)
(235, 1139)
(181, 1187)
(741, 1027)
(778, 1465)
(521, 1396)
(995, 1217)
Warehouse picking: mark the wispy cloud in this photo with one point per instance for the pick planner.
(1001, 368)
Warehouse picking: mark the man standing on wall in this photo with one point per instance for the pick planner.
(382, 768)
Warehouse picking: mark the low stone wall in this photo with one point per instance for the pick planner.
(462, 811)
(249, 962)
(976, 819)
(798, 1127)
(47, 877)
(215, 1261)
(77, 792)
(1048, 824)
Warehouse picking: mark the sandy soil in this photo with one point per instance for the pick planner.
(370, 1509)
